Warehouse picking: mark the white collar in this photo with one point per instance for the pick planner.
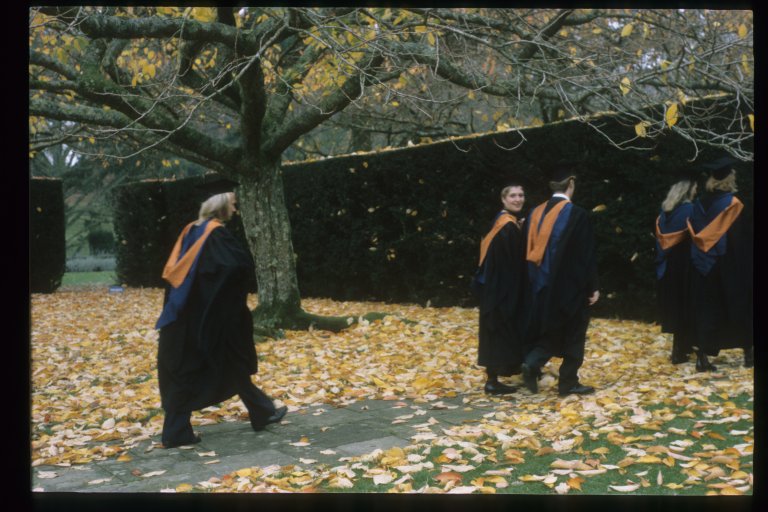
(560, 194)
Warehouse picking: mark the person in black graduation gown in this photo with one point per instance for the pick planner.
(721, 255)
(499, 289)
(206, 352)
(673, 266)
(562, 284)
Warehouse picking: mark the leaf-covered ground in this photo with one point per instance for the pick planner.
(651, 427)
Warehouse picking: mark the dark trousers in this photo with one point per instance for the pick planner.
(178, 430)
(571, 336)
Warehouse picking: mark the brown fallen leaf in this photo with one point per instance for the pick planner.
(448, 476)
(575, 482)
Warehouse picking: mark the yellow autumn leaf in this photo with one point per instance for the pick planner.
(743, 31)
(671, 116)
(627, 461)
(379, 382)
(627, 30)
(599, 208)
(648, 459)
(625, 85)
(183, 488)
(641, 127)
(745, 63)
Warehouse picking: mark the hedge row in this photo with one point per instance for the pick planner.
(405, 225)
(47, 241)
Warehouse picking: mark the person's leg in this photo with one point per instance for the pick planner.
(531, 367)
(260, 406)
(177, 430)
(573, 356)
(749, 356)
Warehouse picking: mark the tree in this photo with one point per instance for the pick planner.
(159, 77)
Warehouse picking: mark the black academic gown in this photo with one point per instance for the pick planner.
(562, 304)
(673, 290)
(500, 333)
(208, 350)
(722, 299)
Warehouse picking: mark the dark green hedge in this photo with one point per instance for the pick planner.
(148, 217)
(47, 241)
(140, 219)
(101, 242)
(405, 225)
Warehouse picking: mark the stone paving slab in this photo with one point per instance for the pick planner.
(350, 431)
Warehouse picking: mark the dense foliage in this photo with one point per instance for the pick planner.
(47, 251)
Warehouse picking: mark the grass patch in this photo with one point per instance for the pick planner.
(105, 278)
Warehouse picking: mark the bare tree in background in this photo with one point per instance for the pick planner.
(233, 90)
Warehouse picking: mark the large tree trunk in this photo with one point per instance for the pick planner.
(268, 230)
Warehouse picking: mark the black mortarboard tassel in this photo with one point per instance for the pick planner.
(720, 168)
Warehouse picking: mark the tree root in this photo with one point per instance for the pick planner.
(271, 324)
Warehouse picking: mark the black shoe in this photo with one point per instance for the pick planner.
(578, 389)
(497, 388)
(194, 440)
(279, 413)
(529, 378)
(749, 357)
(703, 364)
(678, 358)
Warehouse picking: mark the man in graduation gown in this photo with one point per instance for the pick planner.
(499, 289)
(562, 284)
(206, 352)
(721, 254)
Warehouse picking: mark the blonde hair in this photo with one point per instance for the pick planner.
(727, 184)
(215, 206)
(680, 192)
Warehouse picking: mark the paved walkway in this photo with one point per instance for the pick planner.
(349, 431)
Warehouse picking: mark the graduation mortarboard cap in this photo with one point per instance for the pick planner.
(720, 168)
(213, 184)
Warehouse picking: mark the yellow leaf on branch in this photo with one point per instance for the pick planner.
(625, 85)
(672, 115)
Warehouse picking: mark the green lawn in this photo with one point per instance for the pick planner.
(89, 278)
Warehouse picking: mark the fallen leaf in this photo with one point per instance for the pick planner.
(448, 476)
(625, 488)
(154, 473)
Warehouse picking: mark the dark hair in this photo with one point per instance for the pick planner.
(562, 185)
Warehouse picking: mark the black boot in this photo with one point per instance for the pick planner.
(702, 363)
(749, 357)
(494, 387)
(530, 378)
(678, 357)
